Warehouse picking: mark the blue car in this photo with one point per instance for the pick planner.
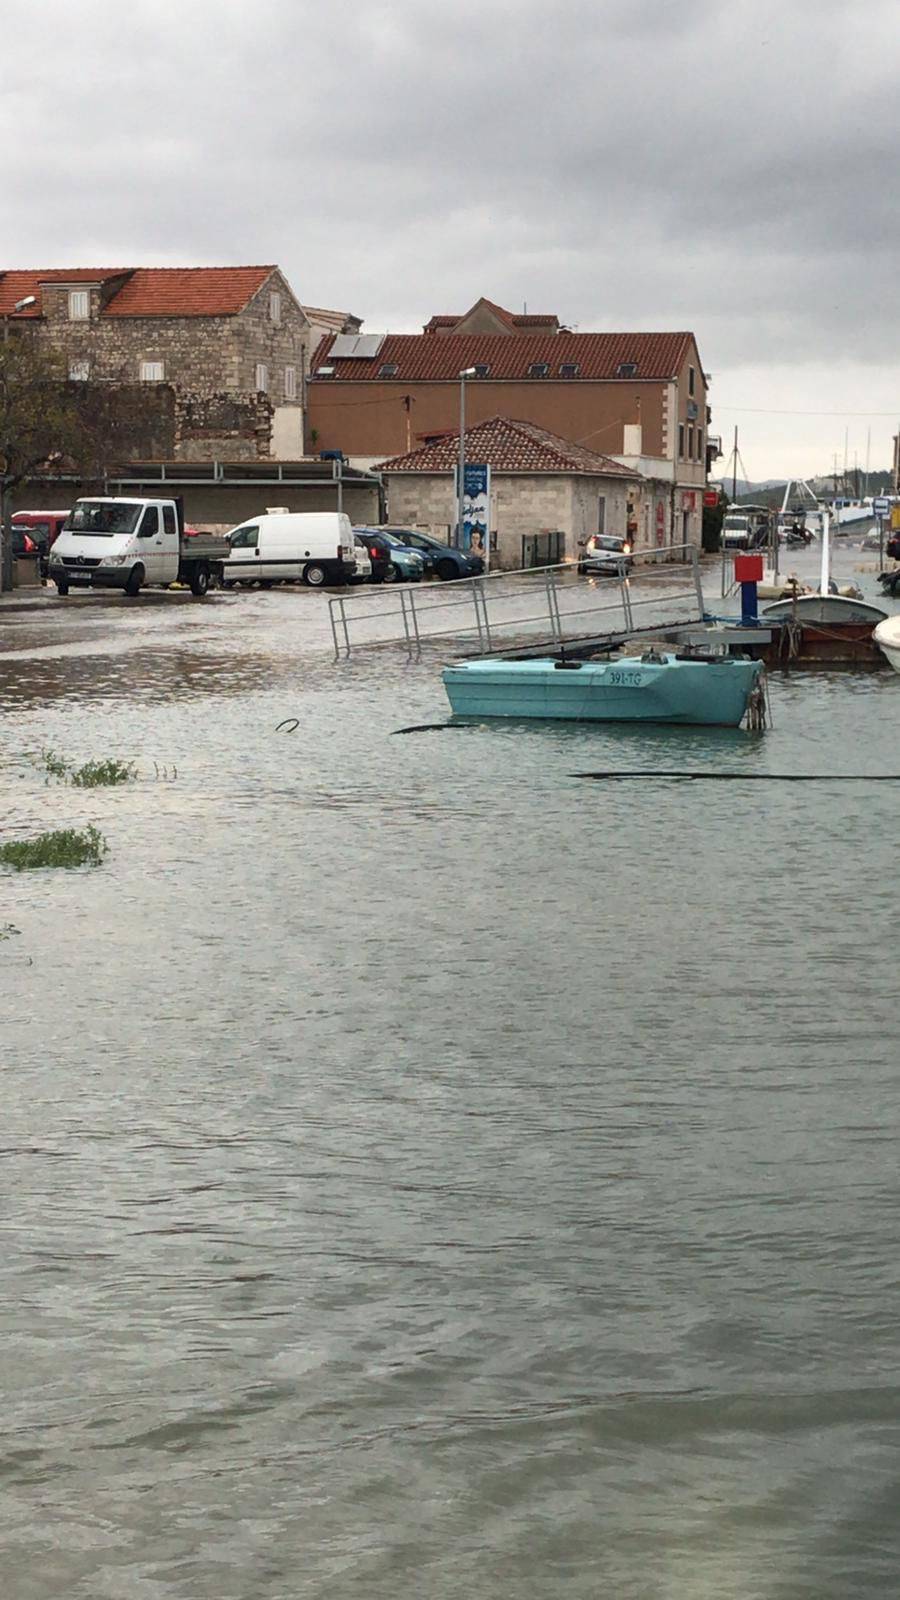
(441, 560)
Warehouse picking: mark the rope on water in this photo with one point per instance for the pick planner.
(749, 777)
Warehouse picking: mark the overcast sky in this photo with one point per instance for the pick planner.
(725, 167)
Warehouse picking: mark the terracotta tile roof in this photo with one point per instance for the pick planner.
(146, 291)
(508, 446)
(420, 357)
(15, 286)
(510, 318)
(187, 291)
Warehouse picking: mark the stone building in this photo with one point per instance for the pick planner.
(547, 495)
(232, 344)
(638, 397)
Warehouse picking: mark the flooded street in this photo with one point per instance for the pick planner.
(428, 1173)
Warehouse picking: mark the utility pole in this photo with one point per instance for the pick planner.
(468, 372)
(734, 469)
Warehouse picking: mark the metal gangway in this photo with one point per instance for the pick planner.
(532, 607)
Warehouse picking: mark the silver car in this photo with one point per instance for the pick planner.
(606, 553)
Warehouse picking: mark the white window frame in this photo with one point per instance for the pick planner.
(79, 371)
(262, 378)
(79, 305)
(290, 383)
(153, 371)
(275, 307)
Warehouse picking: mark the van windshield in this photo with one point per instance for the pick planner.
(102, 517)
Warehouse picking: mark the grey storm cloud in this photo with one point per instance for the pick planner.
(723, 166)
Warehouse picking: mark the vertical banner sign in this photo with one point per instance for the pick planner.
(476, 509)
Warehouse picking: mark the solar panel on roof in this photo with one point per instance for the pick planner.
(356, 346)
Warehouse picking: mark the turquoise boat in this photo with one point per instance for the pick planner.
(714, 691)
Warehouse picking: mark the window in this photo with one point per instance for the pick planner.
(538, 369)
(149, 523)
(699, 444)
(691, 378)
(262, 377)
(244, 539)
(569, 369)
(627, 369)
(79, 305)
(290, 383)
(169, 523)
(79, 371)
(482, 370)
(388, 370)
(152, 372)
(681, 440)
(690, 442)
(601, 514)
(275, 307)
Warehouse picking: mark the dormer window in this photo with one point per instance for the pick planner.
(569, 369)
(626, 369)
(539, 369)
(482, 370)
(389, 369)
(79, 305)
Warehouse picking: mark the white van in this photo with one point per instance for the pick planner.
(284, 546)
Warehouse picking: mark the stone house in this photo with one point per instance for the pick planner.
(640, 398)
(548, 495)
(231, 344)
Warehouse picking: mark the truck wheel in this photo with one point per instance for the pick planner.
(62, 585)
(314, 575)
(199, 581)
(135, 579)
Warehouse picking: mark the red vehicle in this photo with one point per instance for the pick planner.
(35, 531)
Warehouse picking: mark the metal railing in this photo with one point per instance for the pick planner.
(551, 603)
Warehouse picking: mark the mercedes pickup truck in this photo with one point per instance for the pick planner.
(133, 544)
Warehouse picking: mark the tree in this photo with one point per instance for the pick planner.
(49, 425)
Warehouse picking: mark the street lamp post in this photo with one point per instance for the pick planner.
(467, 372)
(6, 556)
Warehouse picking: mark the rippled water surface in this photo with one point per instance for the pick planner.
(427, 1173)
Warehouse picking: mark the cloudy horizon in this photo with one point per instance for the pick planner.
(725, 170)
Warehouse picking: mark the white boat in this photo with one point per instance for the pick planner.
(825, 607)
(849, 513)
(887, 638)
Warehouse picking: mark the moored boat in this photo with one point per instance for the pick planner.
(714, 691)
(887, 638)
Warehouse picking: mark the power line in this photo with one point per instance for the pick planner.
(767, 411)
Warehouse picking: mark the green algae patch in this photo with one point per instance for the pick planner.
(63, 847)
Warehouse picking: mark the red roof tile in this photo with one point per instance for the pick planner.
(15, 286)
(420, 357)
(187, 291)
(508, 446)
(147, 291)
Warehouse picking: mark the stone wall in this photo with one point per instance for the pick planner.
(209, 361)
(521, 505)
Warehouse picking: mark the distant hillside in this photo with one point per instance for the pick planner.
(770, 491)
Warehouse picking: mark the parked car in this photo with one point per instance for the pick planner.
(606, 553)
(392, 560)
(364, 568)
(444, 561)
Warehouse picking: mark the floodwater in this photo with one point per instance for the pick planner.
(427, 1173)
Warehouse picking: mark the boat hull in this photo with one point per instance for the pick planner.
(823, 608)
(715, 694)
(887, 638)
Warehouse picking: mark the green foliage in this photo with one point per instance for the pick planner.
(93, 775)
(64, 847)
